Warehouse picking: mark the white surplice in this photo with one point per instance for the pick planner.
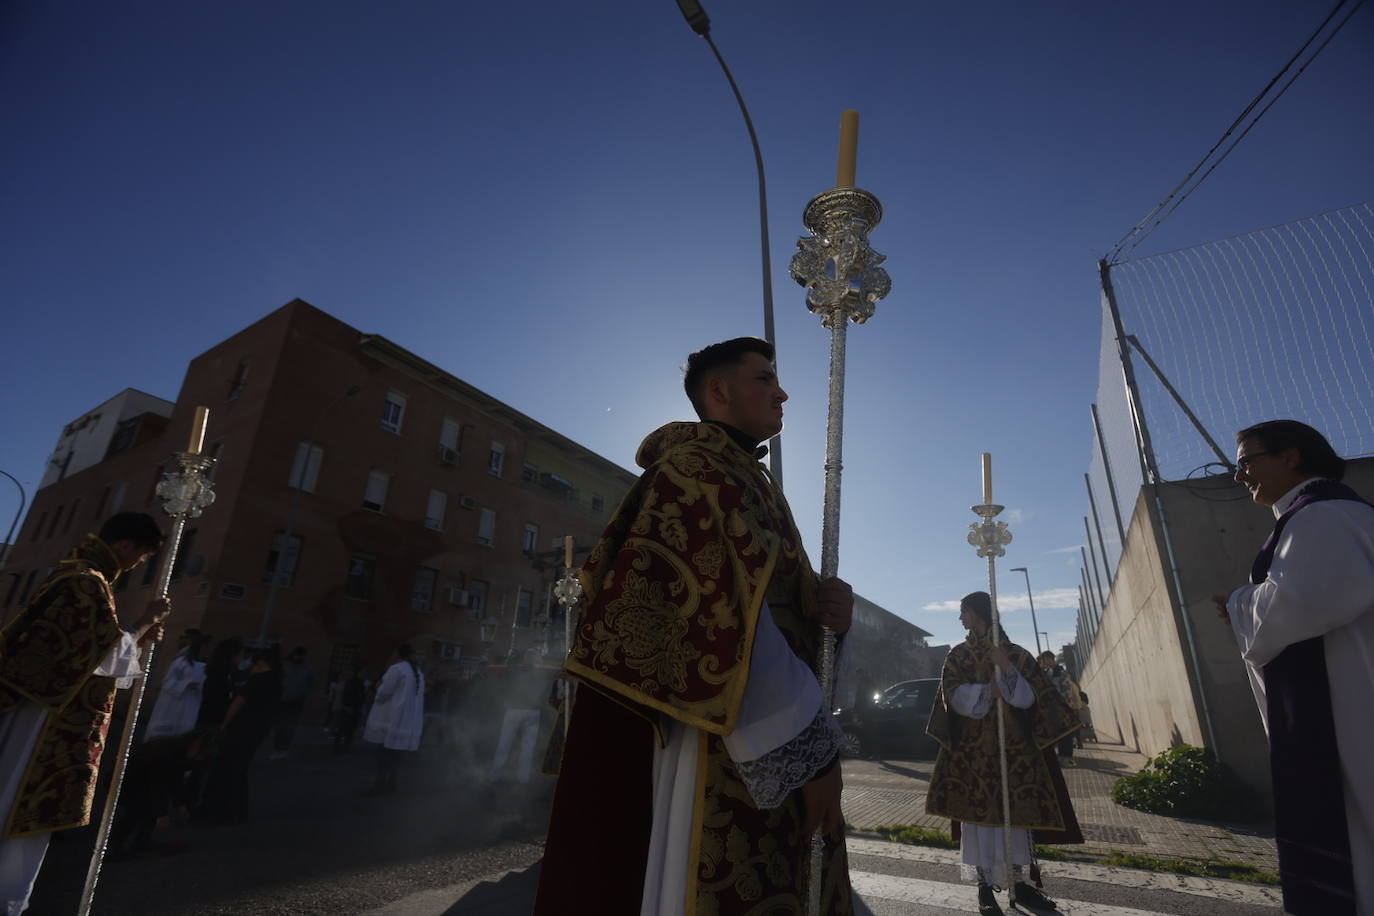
(1321, 583)
(982, 848)
(398, 711)
(21, 859)
(178, 699)
(781, 701)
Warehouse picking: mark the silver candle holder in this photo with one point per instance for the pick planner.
(185, 493)
(844, 280)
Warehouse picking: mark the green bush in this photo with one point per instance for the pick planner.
(1186, 781)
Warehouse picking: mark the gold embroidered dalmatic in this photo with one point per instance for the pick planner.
(47, 656)
(672, 596)
(966, 783)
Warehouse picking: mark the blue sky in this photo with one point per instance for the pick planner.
(557, 203)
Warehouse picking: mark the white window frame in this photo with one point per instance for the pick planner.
(526, 597)
(288, 558)
(378, 482)
(305, 467)
(421, 597)
(477, 598)
(529, 540)
(395, 403)
(496, 458)
(486, 527)
(435, 508)
(451, 434)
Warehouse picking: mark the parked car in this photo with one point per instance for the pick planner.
(894, 725)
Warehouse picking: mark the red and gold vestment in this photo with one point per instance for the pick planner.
(966, 783)
(672, 595)
(47, 656)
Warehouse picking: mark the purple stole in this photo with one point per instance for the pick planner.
(1309, 802)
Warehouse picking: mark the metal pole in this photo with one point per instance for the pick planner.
(184, 494)
(1096, 612)
(18, 514)
(1107, 469)
(837, 249)
(1097, 523)
(1101, 595)
(1035, 627)
(1178, 399)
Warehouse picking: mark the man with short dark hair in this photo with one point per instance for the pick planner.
(701, 757)
(1305, 628)
(59, 661)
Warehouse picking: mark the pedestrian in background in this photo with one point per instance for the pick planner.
(1069, 691)
(397, 718)
(351, 698)
(246, 724)
(178, 699)
(297, 679)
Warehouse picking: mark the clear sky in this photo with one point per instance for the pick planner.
(556, 202)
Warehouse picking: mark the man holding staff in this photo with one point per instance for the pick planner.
(966, 785)
(59, 661)
(701, 756)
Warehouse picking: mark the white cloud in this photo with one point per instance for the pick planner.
(1072, 548)
(1050, 599)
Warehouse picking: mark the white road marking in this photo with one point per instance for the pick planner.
(1216, 888)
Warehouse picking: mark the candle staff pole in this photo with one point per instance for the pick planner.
(184, 493)
(568, 591)
(843, 280)
(990, 538)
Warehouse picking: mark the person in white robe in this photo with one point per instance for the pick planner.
(1319, 585)
(397, 718)
(178, 699)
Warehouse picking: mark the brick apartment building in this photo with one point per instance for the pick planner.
(389, 500)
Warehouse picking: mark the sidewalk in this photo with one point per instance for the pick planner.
(889, 792)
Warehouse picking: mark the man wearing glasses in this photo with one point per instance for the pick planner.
(1305, 627)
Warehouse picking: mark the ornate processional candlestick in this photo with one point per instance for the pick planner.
(568, 591)
(185, 493)
(843, 280)
(990, 539)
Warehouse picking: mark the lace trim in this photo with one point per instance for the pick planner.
(772, 777)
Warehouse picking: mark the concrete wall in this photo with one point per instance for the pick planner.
(1140, 673)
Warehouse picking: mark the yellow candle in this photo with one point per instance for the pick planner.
(987, 478)
(198, 430)
(849, 149)
(567, 550)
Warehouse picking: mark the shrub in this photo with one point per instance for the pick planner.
(1186, 781)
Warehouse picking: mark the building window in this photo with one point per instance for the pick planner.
(305, 469)
(393, 411)
(118, 499)
(524, 607)
(185, 551)
(496, 459)
(529, 473)
(450, 438)
(56, 517)
(71, 516)
(422, 592)
(100, 506)
(486, 528)
(240, 378)
(282, 559)
(477, 599)
(38, 529)
(125, 433)
(216, 450)
(434, 510)
(152, 487)
(529, 541)
(374, 497)
(598, 502)
(361, 569)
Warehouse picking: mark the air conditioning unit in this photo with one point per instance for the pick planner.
(467, 502)
(448, 455)
(457, 595)
(450, 652)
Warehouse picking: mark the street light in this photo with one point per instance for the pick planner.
(291, 515)
(23, 497)
(1034, 626)
(1037, 639)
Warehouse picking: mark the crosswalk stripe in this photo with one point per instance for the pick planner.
(1217, 888)
(962, 896)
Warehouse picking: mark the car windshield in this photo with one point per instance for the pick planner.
(909, 695)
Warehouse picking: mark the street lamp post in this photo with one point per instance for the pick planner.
(298, 485)
(1034, 626)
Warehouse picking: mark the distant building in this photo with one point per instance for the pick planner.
(388, 501)
(888, 648)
